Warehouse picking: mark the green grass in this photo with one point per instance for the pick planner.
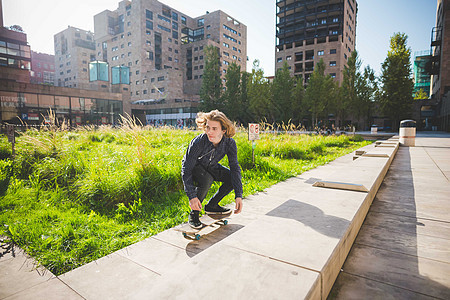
(72, 197)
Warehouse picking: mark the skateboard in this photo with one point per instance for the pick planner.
(206, 220)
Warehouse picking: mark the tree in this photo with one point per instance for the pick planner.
(348, 100)
(366, 86)
(232, 95)
(211, 89)
(397, 85)
(319, 94)
(297, 101)
(258, 93)
(245, 115)
(282, 92)
(420, 94)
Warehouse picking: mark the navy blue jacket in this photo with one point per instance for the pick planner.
(202, 151)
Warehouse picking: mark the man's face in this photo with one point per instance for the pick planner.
(214, 131)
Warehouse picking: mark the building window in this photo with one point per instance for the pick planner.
(332, 51)
(175, 16)
(200, 22)
(149, 24)
(148, 14)
(320, 52)
(161, 78)
(144, 92)
(332, 63)
(279, 59)
(226, 45)
(333, 75)
(288, 57)
(183, 20)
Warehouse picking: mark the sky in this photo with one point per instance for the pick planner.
(377, 21)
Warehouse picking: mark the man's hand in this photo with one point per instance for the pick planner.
(195, 204)
(239, 205)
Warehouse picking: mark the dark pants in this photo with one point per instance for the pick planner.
(203, 179)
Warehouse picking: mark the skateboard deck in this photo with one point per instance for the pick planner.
(206, 220)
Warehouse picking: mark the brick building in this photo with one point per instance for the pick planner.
(440, 64)
(164, 49)
(308, 31)
(15, 56)
(42, 68)
(74, 49)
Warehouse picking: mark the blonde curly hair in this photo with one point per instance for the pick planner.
(215, 115)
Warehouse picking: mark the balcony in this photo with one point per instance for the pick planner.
(436, 36)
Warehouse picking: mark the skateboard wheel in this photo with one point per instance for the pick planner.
(197, 237)
(225, 222)
(184, 234)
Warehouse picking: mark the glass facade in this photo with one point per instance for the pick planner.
(98, 71)
(120, 75)
(32, 108)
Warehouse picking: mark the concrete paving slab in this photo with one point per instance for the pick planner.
(402, 206)
(53, 289)
(349, 287)
(111, 277)
(155, 255)
(405, 242)
(19, 273)
(230, 273)
(412, 273)
(411, 225)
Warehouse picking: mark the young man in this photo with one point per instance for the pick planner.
(200, 166)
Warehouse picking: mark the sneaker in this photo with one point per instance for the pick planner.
(194, 220)
(218, 210)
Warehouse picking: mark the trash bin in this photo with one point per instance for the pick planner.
(374, 129)
(408, 133)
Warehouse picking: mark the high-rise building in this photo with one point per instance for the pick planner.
(164, 49)
(440, 64)
(74, 49)
(440, 50)
(310, 30)
(42, 68)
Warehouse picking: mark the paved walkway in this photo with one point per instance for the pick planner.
(288, 242)
(403, 248)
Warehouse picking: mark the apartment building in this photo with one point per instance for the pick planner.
(310, 30)
(15, 56)
(164, 49)
(74, 49)
(42, 68)
(440, 51)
